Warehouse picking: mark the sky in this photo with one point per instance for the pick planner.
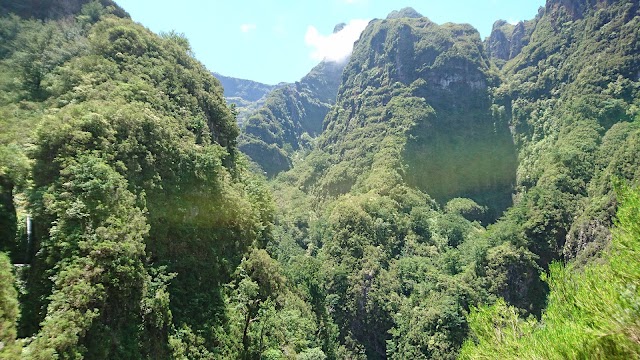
(280, 41)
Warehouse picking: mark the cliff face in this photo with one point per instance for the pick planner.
(507, 40)
(460, 145)
(576, 9)
(565, 115)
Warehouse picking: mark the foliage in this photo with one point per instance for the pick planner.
(153, 239)
(9, 311)
(247, 96)
(592, 313)
(424, 114)
(125, 152)
(97, 248)
(291, 114)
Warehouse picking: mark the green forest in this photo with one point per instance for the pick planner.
(434, 196)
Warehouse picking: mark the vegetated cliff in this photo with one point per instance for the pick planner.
(507, 40)
(122, 150)
(379, 235)
(546, 116)
(291, 117)
(247, 95)
(120, 147)
(572, 93)
(460, 145)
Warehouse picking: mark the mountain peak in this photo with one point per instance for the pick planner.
(43, 10)
(407, 12)
(339, 27)
(576, 8)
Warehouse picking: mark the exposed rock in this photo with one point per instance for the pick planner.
(499, 42)
(507, 40)
(587, 240)
(460, 151)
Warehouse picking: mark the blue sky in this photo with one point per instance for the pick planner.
(272, 41)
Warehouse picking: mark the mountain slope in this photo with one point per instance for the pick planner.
(291, 116)
(120, 148)
(247, 95)
(449, 174)
(382, 241)
(54, 9)
(426, 118)
(458, 146)
(572, 94)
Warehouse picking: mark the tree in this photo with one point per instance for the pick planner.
(96, 249)
(9, 311)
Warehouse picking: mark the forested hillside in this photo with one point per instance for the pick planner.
(433, 196)
(291, 118)
(247, 96)
(433, 136)
(121, 150)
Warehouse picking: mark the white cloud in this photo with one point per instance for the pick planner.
(245, 28)
(513, 22)
(337, 46)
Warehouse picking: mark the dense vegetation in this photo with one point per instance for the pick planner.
(290, 118)
(426, 144)
(457, 199)
(247, 96)
(122, 150)
(592, 312)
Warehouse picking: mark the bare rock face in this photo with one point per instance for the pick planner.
(587, 239)
(507, 40)
(499, 42)
(517, 40)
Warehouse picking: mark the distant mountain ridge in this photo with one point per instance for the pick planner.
(434, 196)
(246, 89)
(246, 95)
(290, 118)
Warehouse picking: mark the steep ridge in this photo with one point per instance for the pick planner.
(572, 94)
(380, 238)
(507, 40)
(152, 239)
(426, 112)
(246, 95)
(460, 146)
(54, 9)
(290, 118)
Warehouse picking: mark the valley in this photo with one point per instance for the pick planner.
(433, 195)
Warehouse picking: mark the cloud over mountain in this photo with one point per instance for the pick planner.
(336, 46)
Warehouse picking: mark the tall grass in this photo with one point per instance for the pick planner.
(592, 313)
